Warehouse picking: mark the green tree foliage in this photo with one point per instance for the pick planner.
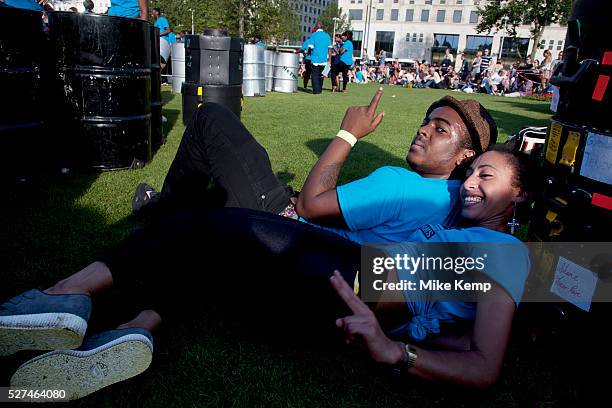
(327, 18)
(273, 19)
(537, 13)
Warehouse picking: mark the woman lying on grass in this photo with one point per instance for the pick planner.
(269, 277)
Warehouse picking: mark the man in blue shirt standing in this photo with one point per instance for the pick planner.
(257, 41)
(129, 8)
(320, 43)
(162, 23)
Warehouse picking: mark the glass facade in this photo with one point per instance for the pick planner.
(385, 40)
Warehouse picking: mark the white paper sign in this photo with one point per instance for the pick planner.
(597, 160)
(574, 283)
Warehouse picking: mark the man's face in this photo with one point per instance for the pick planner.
(434, 152)
(155, 14)
(486, 51)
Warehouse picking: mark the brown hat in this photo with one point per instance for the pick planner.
(479, 122)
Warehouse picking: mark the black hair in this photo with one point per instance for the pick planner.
(348, 34)
(157, 9)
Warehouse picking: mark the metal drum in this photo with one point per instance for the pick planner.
(178, 66)
(196, 95)
(157, 126)
(103, 88)
(254, 71)
(286, 67)
(21, 108)
(270, 56)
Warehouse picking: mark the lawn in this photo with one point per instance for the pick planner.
(56, 225)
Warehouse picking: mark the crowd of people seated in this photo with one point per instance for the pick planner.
(481, 74)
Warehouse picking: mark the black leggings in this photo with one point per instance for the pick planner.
(338, 68)
(248, 259)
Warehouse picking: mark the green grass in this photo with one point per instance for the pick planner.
(60, 224)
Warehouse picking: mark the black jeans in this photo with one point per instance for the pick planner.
(307, 72)
(216, 146)
(260, 263)
(317, 78)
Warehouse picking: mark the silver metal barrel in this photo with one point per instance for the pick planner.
(178, 66)
(270, 57)
(254, 71)
(286, 66)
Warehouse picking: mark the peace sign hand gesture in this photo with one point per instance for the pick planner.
(363, 327)
(360, 121)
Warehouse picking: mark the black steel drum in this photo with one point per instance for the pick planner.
(21, 107)
(102, 86)
(196, 95)
(157, 133)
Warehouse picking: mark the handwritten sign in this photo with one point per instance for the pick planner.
(597, 160)
(574, 283)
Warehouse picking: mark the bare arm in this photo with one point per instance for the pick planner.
(144, 9)
(478, 366)
(318, 198)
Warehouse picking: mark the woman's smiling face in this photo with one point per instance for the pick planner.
(489, 191)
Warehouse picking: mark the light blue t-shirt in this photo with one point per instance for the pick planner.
(392, 202)
(320, 42)
(347, 56)
(124, 8)
(260, 44)
(305, 48)
(163, 24)
(24, 4)
(506, 263)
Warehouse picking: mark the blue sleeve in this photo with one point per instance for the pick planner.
(371, 201)
(162, 24)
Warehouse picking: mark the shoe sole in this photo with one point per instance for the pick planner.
(41, 331)
(80, 373)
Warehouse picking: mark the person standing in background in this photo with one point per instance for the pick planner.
(305, 51)
(485, 62)
(320, 43)
(257, 41)
(129, 8)
(346, 57)
(162, 23)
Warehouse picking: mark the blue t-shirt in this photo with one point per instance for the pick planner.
(506, 263)
(347, 56)
(163, 24)
(124, 8)
(392, 202)
(305, 48)
(320, 42)
(24, 4)
(260, 44)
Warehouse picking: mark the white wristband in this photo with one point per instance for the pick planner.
(347, 136)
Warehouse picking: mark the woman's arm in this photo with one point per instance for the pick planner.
(144, 9)
(318, 198)
(478, 366)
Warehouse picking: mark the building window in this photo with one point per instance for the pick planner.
(395, 1)
(427, 1)
(357, 41)
(352, 1)
(355, 14)
(551, 44)
(411, 1)
(380, 14)
(473, 17)
(414, 37)
(457, 14)
(407, 37)
(394, 14)
(409, 15)
(381, 1)
(514, 48)
(459, 2)
(441, 16)
(442, 1)
(475, 43)
(425, 15)
(542, 44)
(442, 42)
(421, 37)
(559, 45)
(384, 41)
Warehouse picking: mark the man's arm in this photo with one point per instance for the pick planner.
(144, 9)
(318, 198)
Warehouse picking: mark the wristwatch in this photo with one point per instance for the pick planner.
(408, 360)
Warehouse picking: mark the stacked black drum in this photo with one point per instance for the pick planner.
(573, 210)
(213, 72)
(22, 136)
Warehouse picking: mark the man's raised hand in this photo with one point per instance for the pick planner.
(360, 121)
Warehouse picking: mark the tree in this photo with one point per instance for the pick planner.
(327, 18)
(273, 19)
(537, 13)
